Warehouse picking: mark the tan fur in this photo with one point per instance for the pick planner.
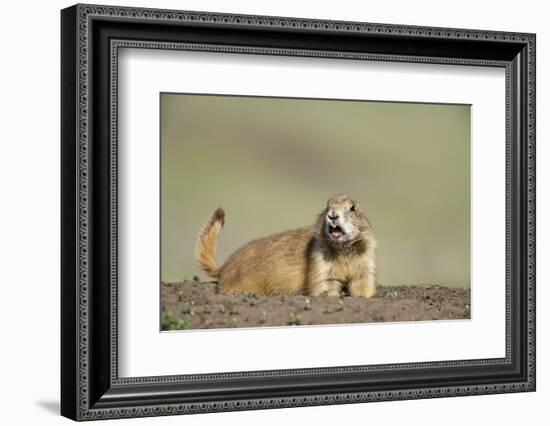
(307, 261)
(207, 243)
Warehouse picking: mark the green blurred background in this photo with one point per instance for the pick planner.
(272, 163)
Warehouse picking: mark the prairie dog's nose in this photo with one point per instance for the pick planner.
(333, 215)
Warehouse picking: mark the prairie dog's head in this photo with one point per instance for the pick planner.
(343, 220)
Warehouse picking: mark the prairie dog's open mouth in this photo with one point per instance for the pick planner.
(335, 231)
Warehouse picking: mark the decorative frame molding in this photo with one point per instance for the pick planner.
(91, 37)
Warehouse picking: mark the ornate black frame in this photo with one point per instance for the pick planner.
(91, 37)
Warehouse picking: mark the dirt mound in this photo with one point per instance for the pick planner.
(196, 305)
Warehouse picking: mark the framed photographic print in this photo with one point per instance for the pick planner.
(263, 212)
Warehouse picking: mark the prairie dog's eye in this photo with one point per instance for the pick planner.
(352, 208)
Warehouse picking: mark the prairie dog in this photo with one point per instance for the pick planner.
(336, 254)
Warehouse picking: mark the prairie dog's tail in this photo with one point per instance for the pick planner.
(207, 243)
